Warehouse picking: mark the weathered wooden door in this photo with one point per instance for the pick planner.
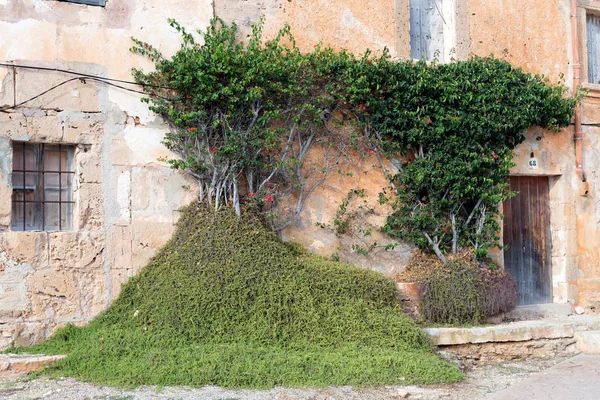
(528, 256)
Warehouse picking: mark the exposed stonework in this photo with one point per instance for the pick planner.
(13, 364)
(126, 200)
(518, 340)
(470, 355)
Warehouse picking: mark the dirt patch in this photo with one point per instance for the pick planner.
(481, 382)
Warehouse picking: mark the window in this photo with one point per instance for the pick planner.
(101, 3)
(593, 47)
(42, 181)
(432, 29)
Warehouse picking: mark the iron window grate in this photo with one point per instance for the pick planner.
(42, 180)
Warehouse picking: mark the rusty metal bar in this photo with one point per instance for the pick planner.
(59, 187)
(43, 186)
(46, 171)
(24, 185)
(46, 201)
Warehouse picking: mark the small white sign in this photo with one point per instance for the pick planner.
(533, 163)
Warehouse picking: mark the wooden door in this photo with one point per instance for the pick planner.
(528, 256)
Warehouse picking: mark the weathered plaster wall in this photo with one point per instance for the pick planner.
(538, 38)
(351, 24)
(126, 199)
(533, 35)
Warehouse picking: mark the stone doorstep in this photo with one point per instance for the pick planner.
(588, 342)
(515, 331)
(26, 363)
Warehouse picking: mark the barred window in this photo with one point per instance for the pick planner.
(42, 181)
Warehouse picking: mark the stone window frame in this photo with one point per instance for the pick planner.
(36, 170)
(585, 8)
(449, 10)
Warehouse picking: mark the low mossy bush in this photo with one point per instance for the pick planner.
(225, 302)
(465, 291)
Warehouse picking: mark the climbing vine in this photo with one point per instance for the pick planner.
(456, 125)
(245, 117)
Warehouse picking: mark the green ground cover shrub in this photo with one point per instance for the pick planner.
(225, 302)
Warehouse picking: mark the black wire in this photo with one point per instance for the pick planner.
(75, 79)
(81, 74)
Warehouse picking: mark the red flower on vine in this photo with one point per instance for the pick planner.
(192, 129)
(188, 97)
(213, 150)
(251, 194)
(269, 198)
(362, 108)
(371, 152)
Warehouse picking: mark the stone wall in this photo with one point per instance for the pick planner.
(126, 197)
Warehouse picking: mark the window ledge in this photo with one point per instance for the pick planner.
(593, 89)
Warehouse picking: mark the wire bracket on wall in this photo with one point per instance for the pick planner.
(82, 77)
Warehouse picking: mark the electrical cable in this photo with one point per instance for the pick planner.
(81, 74)
(101, 80)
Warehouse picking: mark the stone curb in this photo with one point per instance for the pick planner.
(513, 332)
(26, 363)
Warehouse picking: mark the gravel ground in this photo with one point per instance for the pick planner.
(481, 382)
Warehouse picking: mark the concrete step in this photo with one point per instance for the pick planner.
(588, 342)
(11, 364)
(539, 311)
(518, 331)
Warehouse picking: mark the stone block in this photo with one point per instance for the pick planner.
(24, 364)
(564, 269)
(76, 249)
(14, 125)
(560, 292)
(28, 333)
(81, 128)
(89, 211)
(75, 95)
(119, 247)
(590, 110)
(120, 153)
(151, 140)
(13, 289)
(89, 164)
(148, 236)
(5, 206)
(539, 311)
(45, 129)
(92, 286)
(118, 203)
(513, 332)
(159, 191)
(564, 242)
(26, 247)
(53, 294)
(118, 278)
(588, 342)
(563, 216)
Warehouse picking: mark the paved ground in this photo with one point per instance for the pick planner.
(574, 378)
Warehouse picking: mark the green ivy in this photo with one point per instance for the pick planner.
(248, 114)
(456, 125)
